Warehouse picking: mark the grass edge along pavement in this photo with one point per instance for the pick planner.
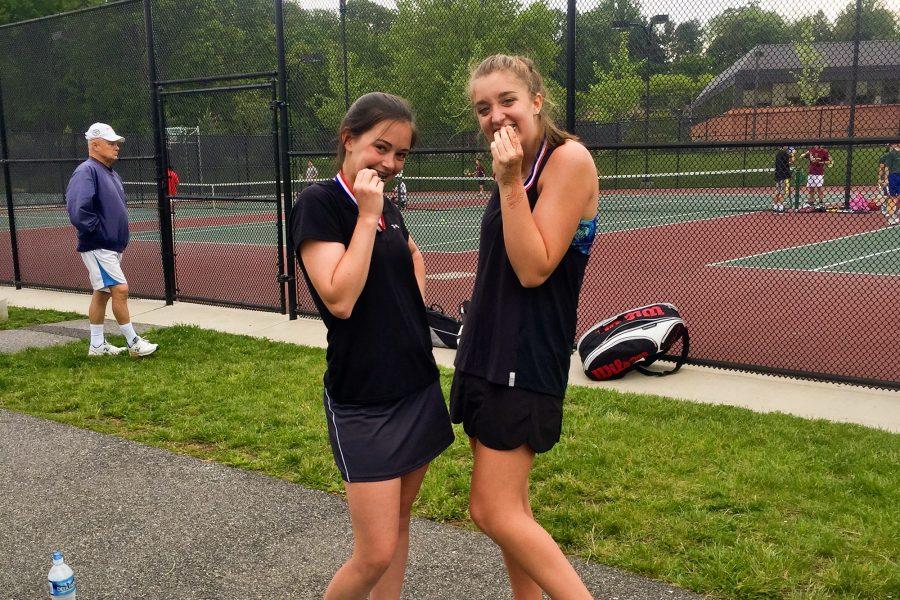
(715, 499)
(26, 317)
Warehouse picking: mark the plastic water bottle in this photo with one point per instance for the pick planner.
(61, 579)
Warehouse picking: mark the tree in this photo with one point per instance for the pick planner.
(735, 31)
(596, 41)
(815, 26)
(617, 93)
(685, 39)
(809, 78)
(671, 92)
(12, 11)
(876, 22)
(312, 41)
(433, 44)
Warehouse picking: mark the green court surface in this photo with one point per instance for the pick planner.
(450, 221)
(874, 252)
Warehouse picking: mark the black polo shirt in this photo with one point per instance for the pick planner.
(383, 351)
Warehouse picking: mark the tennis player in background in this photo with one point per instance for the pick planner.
(889, 179)
(819, 160)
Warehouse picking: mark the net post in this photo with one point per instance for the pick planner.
(166, 240)
(279, 202)
(284, 124)
(10, 207)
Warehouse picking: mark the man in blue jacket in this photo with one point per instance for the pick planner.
(95, 200)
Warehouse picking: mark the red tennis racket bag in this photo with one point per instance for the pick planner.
(632, 340)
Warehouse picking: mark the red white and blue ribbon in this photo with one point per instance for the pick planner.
(537, 162)
(339, 178)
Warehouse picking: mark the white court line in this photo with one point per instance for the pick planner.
(845, 237)
(263, 244)
(450, 275)
(696, 212)
(444, 225)
(796, 270)
(688, 221)
(844, 262)
(202, 228)
(423, 247)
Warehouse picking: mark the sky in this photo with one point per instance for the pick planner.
(683, 10)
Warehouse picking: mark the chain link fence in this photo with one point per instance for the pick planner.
(702, 118)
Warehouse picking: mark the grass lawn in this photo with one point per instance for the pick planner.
(715, 499)
(23, 317)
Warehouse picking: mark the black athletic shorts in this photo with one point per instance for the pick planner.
(502, 417)
(377, 442)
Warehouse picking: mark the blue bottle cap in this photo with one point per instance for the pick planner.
(57, 555)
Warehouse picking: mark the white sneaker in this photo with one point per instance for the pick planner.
(142, 347)
(104, 349)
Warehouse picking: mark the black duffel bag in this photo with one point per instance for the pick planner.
(444, 328)
(634, 339)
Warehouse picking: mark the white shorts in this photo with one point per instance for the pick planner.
(104, 268)
(815, 181)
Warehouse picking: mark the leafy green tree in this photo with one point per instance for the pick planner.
(618, 90)
(596, 40)
(684, 39)
(671, 92)
(809, 77)
(12, 11)
(877, 22)
(433, 44)
(816, 27)
(312, 39)
(735, 31)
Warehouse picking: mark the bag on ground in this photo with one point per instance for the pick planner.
(444, 328)
(634, 339)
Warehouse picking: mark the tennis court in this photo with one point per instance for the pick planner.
(724, 245)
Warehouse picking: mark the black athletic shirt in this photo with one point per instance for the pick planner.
(782, 165)
(383, 351)
(516, 336)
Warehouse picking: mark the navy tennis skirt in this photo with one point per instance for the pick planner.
(377, 442)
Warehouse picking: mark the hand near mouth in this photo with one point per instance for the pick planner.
(369, 191)
(507, 153)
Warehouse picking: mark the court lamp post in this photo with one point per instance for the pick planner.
(757, 55)
(647, 28)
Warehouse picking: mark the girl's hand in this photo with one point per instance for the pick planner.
(507, 153)
(369, 191)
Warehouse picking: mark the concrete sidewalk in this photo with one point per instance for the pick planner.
(762, 393)
(139, 522)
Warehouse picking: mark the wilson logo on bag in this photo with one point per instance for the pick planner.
(634, 339)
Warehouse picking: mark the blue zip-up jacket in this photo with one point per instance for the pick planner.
(95, 200)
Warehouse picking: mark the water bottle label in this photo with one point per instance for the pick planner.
(62, 588)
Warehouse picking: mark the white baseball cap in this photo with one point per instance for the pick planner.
(104, 131)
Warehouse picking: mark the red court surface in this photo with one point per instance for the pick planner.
(823, 322)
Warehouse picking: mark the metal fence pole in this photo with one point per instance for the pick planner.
(571, 13)
(166, 240)
(284, 126)
(343, 9)
(7, 183)
(848, 173)
(279, 208)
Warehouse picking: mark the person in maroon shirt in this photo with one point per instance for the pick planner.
(819, 159)
(172, 181)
